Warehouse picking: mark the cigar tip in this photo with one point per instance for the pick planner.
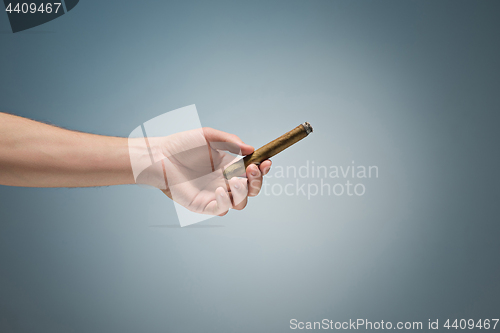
(307, 127)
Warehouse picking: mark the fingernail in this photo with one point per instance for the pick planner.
(236, 186)
(222, 194)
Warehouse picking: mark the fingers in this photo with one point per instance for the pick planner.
(239, 191)
(213, 135)
(265, 167)
(254, 176)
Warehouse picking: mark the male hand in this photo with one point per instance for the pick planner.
(188, 167)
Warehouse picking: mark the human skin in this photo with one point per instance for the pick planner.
(34, 154)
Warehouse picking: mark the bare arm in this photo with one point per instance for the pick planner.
(34, 154)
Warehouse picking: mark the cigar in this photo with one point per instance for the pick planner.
(274, 147)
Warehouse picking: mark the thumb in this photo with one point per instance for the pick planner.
(233, 142)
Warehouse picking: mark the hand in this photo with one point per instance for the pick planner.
(188, 167)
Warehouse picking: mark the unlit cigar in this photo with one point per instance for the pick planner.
(238, 168)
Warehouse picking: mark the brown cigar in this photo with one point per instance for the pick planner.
(238, 168)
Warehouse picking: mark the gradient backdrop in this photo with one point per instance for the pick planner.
(410, 86)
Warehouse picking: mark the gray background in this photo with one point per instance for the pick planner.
(409, 86)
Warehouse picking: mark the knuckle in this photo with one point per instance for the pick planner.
(254, 184)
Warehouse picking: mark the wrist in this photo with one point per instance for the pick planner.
(146, 161)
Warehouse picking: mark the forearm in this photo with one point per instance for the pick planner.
(34, 154)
